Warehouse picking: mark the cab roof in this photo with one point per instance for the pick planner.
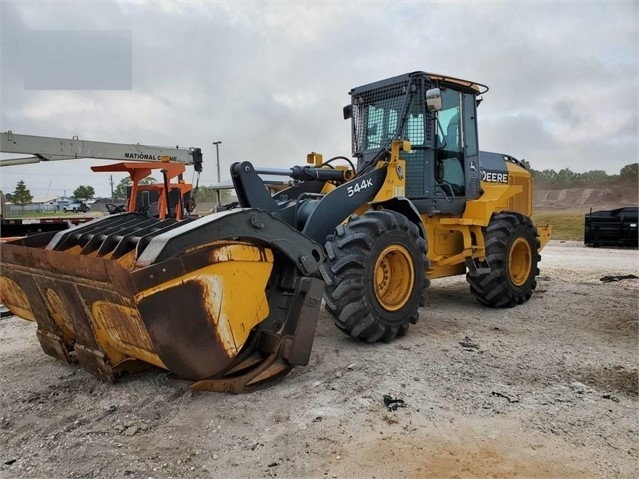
(468, 85)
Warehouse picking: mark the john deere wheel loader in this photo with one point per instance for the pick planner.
(231, 300)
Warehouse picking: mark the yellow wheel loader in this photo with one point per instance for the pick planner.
(230, 301)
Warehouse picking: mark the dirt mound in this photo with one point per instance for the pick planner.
(605, 197)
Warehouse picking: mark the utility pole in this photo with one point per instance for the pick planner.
(111, 181)
(217, 154)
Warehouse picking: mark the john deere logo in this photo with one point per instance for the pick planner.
(494, 176)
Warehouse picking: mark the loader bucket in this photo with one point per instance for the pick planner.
(226, 300)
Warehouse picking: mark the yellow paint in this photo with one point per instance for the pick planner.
(15, 299)
(445, 270)
(450, 241)
(238, 250)
(515, 196)
(77, 249)
(234, 287)
(453, 239)
(447, 242)
(394, 277)
(315, 159)
(544, 235)
(121, 333)
(59, 314)
(395, 182)
(327, 188)
(494, 199)
(519, 261)
(521, 202)
(127, 261)
(234, 298)
(233, 281)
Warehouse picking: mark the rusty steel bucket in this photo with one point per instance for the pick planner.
(227, 300)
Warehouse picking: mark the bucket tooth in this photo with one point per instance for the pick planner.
(268, 371)
(55, 346)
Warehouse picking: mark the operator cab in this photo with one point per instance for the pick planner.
(437, 115)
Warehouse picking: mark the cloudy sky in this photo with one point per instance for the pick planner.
(269, 79)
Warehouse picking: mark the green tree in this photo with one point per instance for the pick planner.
(630, 172)
(565, 176)
(120, 190)
(22, 196)
(593, 177)
(84, 192)
(547, 177)
(206, 194)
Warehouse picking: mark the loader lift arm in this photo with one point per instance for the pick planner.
(314, 211)
(315, 214)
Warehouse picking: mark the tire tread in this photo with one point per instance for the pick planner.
(492, 289)
(348, 251)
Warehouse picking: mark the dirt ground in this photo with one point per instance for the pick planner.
(547, 389)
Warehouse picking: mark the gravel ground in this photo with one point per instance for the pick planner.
(548, 389)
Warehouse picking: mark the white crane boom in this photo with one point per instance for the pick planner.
(44, 148)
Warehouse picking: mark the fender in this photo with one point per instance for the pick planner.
(402, 206)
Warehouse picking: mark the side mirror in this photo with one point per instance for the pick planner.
(348, 111)
(434, 99)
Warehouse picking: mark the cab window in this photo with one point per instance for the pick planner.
(382, 121)
(381, 124)
(449, 126)
(450, 154)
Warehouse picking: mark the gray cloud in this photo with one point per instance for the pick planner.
(269, 80)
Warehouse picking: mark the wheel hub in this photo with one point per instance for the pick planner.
(519, 261)
(394, 277)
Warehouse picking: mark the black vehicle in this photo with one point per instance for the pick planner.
(616, 227)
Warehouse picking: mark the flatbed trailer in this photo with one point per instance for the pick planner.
(10, 227)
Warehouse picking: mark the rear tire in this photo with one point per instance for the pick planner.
(512, 251)
(375, 275)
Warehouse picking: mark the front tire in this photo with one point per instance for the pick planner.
(512, 251)
(375, 275)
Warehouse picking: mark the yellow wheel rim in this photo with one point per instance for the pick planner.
(519, 261)
(394, 277)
